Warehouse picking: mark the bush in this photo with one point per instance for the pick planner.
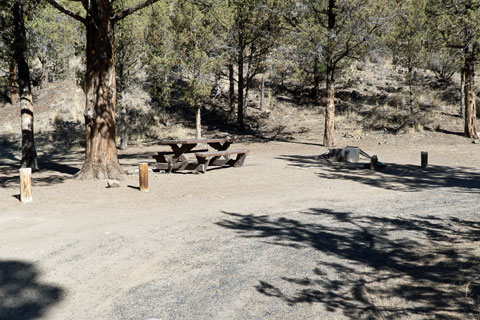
(443, 63)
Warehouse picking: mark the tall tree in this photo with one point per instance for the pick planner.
(456, 23)
(340, 31)
(199, 49)
(160, 57)
(29, 153)
(129, 50)
(14, 36)
(101, 160)
(256, 25)
(407, 41)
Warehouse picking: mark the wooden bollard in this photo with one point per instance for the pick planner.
(373, 163)
(424, 156)
(143, 176)
(26, 185)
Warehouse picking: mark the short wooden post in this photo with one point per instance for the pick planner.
(143, 177)
(26, 185)
(424, 156)
(373, 163)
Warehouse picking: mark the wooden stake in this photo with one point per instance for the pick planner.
(143, 176)
(424, 156)
(26, 185)
(374, 163)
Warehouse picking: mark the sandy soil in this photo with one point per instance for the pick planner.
(287, 236)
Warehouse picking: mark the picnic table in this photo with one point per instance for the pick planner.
(176, 159)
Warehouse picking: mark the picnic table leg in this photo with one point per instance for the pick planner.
(219, 146)
(240, 160)
(179, 161)
(202, 164)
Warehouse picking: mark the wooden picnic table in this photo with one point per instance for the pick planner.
(177, 159)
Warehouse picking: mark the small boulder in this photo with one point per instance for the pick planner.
(113, 184)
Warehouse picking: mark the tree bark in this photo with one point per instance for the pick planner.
(330, 85)
(217, 87)
(462, 93)
(328, 140)
(29, 153)
(470, 107)
(240, 122)
(231, 91)
(198, 124)
(44, 76)
(101, 161)
(13, 83)
(262, 92)
(124, 123)
(316, 79)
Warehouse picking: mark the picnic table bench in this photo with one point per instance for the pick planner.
(176, 159)
(220, 158)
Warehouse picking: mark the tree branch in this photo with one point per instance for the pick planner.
(69, 13)
(131, 10)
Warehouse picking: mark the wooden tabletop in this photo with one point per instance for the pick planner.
(195, 141)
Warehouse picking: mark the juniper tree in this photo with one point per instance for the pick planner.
(255, 26)
(14, 37)
(129, 51)
(408, 40)
(338, 31)
(99, 18)
(456, 24)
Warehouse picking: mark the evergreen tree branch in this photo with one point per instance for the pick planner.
(69, 13)
(121, 15)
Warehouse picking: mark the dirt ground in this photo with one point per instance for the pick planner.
(287, 236)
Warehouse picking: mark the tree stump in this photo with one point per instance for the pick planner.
(424, 157)
(26, 185)
(143, 177)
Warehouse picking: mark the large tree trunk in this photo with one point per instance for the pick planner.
(329, 110)
(13, 82)
(29, 154)
(101, 161)
(470, 108)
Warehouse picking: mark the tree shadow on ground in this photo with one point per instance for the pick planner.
(56, 164)
(398, 177)
(375, 267)
(22, 295)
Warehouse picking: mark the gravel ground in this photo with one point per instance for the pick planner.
(287, 236)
